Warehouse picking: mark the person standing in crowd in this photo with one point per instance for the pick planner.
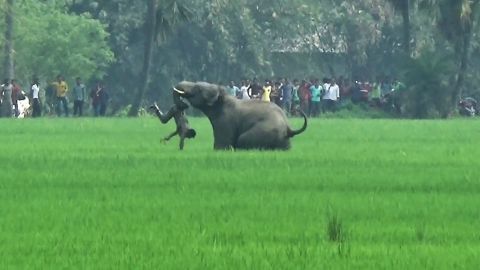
(244, 90)
(275, 95)
(50, 100)
(386, 87)
(6, 99)
(232, 89)
(356, 92)
(316, 95)
(61, 88)
(16, 93)
(80, 95)
(375, 94)
(99, 99)
(35, 93)
(266, 90)
(398, 94)
(333, 96)
(95, 98)
(104, 97)
(326, 94)
(304, 93)
(255, 89)
(286, 92)
(295, 97)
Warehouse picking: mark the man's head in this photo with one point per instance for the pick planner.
(191, 133)
(78, 80)
(60, 78)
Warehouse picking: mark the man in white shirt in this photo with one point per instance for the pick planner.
(326, 94)
(332, 95)
(244, 90)
(37, 109)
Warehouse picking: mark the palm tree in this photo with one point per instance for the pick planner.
(160, 21)
(457, 20)
(404, 7)
(468, 16)
(429, 85)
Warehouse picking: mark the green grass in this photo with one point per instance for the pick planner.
(350, 194)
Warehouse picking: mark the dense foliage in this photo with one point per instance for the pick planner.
(223, 40)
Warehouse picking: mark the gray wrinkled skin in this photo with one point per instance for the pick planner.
(239, 124)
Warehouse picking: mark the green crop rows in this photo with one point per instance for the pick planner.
(350, 194)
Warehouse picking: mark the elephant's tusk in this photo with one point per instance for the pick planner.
(179, 91)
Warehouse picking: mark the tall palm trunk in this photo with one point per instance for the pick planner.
(150, 26)
(406, 26)
(465, 53)
(8, 61)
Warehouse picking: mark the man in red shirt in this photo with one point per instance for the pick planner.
(305, 96)
(16, 93)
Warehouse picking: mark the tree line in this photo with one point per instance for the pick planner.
(140, 48)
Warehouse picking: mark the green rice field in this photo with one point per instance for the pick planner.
(350, 194)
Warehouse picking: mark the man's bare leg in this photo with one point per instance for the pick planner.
(164, 118)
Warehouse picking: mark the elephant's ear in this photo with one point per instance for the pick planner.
(210, 95)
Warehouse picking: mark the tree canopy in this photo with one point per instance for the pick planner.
(225, 40)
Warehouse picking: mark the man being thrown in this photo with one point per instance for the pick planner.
(177, 111)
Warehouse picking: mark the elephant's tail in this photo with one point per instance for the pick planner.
(292, 133)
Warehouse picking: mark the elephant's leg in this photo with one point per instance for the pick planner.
(260, 138)
(223, 138)
(223, 143)
(222, 146)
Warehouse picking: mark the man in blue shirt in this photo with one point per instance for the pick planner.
(232, 90)
(80, 95)
(286, 92)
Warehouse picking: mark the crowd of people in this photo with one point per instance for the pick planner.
(15, 102)
(315, 96)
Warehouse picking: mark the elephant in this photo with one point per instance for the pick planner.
(239, 124)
